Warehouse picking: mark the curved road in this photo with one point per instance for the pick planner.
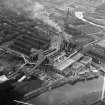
(79, 15)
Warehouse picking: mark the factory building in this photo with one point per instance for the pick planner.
(69, 61)
(77, 67)
(86, 61)
(97, 51)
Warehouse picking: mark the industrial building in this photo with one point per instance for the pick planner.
(43, 63)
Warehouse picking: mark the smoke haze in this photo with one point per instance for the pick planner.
(29, 7)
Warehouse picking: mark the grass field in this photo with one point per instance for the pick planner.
(82, 93)
(89, 29)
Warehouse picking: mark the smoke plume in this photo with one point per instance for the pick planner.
(29, 7)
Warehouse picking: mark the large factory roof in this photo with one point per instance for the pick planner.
(69, 61)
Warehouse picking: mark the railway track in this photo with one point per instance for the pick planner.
(57, 84)
(98, 102)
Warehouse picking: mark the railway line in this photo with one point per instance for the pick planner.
(57, 84)
(98, 102)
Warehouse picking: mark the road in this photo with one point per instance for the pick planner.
(79, 15)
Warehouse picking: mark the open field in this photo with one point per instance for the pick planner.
(82, 93)
(89, 29)
(57, 3)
